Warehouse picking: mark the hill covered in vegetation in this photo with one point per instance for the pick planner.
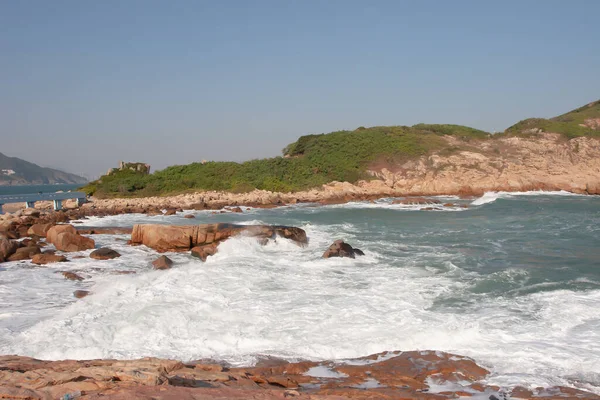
(314, 160)
(15, 171)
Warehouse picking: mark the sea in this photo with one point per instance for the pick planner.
(512, 281)
(28, 189)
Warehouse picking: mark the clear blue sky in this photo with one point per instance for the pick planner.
(84, 84)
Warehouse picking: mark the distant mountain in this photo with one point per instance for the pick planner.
(14, 171)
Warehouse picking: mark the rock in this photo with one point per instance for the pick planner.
(39, 229)
(66, 238)
(415, 201)
(236, 210)
(162, 262)
(71, 276)
(198, 206)
(189, 216)
(81, 293)
(24, 253)
(47, 258)
(31, 212)
(105, 230)
(202, 252)
(104, 253)
(7, 248)
(339, 248)
(181, 238)
(170, 211)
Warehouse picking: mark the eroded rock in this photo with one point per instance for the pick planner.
(162, 262)
(66, 238)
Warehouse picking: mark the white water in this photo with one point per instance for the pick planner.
(285, 301)
(490, 197)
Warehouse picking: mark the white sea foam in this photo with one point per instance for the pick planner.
(286, 301)
(490, 197)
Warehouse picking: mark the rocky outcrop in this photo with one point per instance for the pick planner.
(104, 253)
(66, 238)
(424, 375)
(203, 252)
(39, 229)
(339, 248)
(182, 238)
(162, 262)
(131, 166)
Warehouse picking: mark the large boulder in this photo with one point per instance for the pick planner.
(7, 248)
(183, 238)
(39, 230)
(202, 252)
(66, 238)
(47, 258)
(104, 253)
(162, 262)
(24, 253)
(339, 248)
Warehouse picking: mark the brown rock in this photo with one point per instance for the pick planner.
(170, 211)
(105, 231)
(236, 210)
(181, 238)
(162, 262)
(7, 248)
(104, 253)
(24, 253)
(71, 276)
(189, 216)
(341, 249)
(81, 293)
(47, 258)
(66, 238)
(39, 229)
(202, 252)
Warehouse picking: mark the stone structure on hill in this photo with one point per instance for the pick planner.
(133, 166)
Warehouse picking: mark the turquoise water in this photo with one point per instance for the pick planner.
(27, 189)
(513, 281)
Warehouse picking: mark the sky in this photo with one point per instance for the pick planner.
(85, 84)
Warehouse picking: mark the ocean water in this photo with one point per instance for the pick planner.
(513, 281)
(27, 189)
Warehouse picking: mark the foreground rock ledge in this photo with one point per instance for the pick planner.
(390, 375)
(181, 238)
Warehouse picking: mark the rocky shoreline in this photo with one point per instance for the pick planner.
(390, 375)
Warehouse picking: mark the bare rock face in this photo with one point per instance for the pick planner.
(182, 238)
(104, 253)
(47, 258)
(389, 375)
(339, 248)
(162, 262)
(66, 238)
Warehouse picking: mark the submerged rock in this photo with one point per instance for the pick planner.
(162, 262)
(71, 276)
(81, 293)
(339, 248)
(104, 253)
(202, 252)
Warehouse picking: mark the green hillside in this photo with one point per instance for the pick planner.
(311, 161)
(572, 124)
(314, 160)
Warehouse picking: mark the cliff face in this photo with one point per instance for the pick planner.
(543, 161)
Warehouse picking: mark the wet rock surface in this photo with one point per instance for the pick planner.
(162, 262)
(390, 375)
(339, 248)
(104, 253)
